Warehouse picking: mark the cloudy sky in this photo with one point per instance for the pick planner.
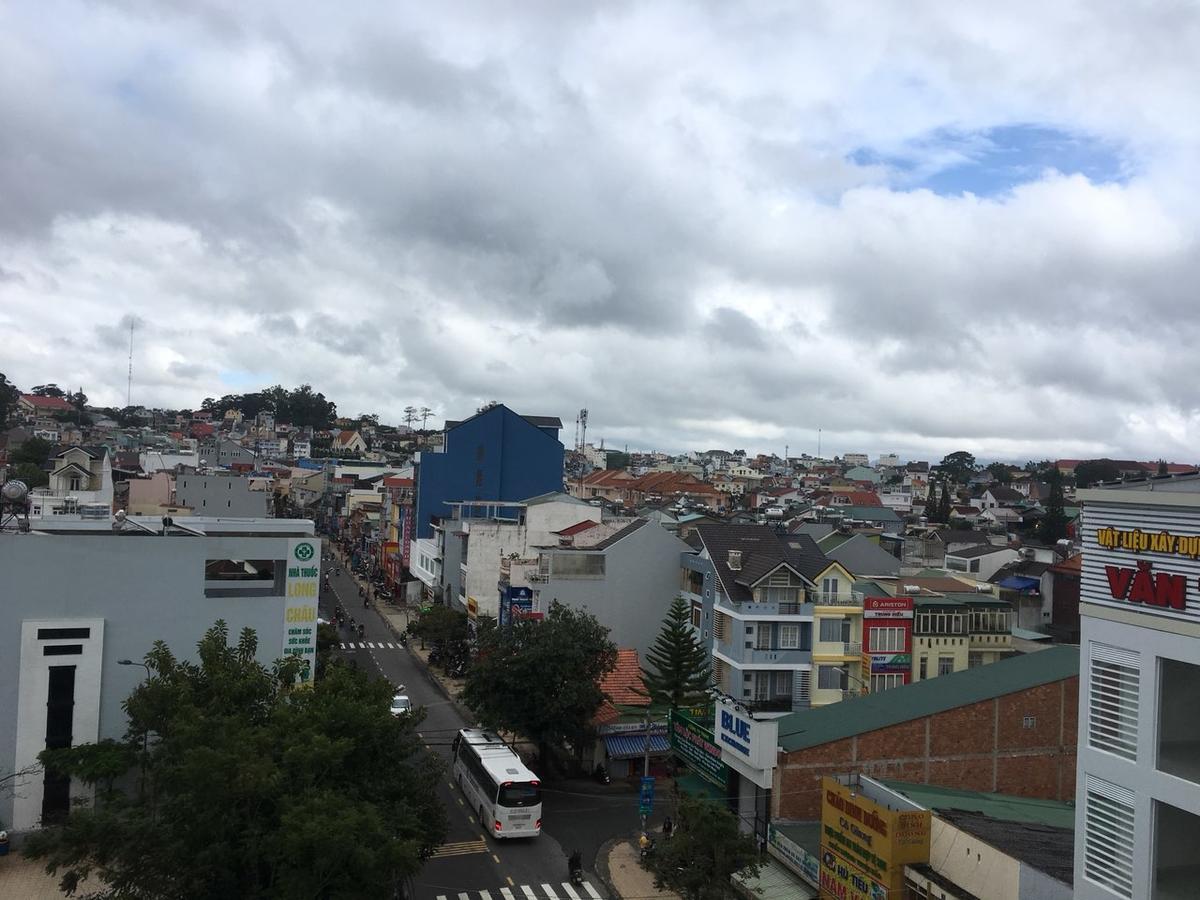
(918, 227)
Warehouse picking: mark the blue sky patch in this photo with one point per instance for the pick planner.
(995, 160)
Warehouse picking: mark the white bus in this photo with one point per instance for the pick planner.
(496, 784)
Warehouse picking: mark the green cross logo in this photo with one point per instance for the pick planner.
(304, 552)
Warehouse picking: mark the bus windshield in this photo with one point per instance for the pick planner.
(519, 793)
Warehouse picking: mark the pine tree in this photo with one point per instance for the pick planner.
(1053, 526)
(679, 672)
(932, 507)
(947, 502)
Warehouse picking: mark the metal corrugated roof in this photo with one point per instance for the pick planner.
(812, 727)
(625, 746)
(1005, 807)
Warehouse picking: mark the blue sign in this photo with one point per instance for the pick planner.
(646, 800)
(516, 600)
(735, 732)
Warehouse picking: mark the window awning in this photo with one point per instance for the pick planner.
(631, 746)
(1020, 583)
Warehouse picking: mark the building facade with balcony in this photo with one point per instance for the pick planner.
(1137, 826)
(761, 602)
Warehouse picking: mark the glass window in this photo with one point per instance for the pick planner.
(764, 636)
(1178, 725)
(829, 587)
(945, 665)
(831, 630)
(697, 609)
(923, 670)
(789, 637)
(887, 640)
(520, 794)
(831, 678)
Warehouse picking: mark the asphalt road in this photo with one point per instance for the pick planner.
(471, 861)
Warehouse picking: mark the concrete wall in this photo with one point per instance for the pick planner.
(972, 864)
(980, 747)
(221, 495)
(138, 589)
(641, 579)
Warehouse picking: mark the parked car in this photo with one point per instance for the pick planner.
(401, 705)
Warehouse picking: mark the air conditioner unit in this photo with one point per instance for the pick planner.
(1028, 553)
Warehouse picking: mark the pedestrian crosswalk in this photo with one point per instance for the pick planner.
(370, 645)
(562, 891)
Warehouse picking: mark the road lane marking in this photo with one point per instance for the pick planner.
(549, 892)
(461, 848)
(495, 857)
(460, 801)
(587, 886)
(506, 893)
(462, 896)
(529, 892)
(471, 818)
(484, 895)
(571, 891)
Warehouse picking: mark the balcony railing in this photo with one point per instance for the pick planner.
(770, 704)
(840, 598)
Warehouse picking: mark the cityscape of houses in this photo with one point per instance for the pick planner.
(914, 631)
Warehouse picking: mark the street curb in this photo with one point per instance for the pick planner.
(600, 866)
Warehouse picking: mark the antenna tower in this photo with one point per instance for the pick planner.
(129, 377)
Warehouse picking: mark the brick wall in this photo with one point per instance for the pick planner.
(985, 746)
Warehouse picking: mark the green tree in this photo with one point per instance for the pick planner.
(33, 475)
(1162, 467)
(48, 390)
(1000, 472)
(1053, 526)
(33, 450)
(957, 467)
(1093, 471)
(705, 850)
(678, 673)
(249, 785)
(616, 459)
(932, 505)
(9, 395)
(445, 629)
(542, 679)
(946, 504)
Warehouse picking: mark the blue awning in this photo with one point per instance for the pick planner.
(1020, 583)
(631, 746)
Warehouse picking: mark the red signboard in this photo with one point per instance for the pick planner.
(888, 607)
(406, 513)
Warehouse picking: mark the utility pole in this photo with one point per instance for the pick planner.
(646, 757)
(129, 377)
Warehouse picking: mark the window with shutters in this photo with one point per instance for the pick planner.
(1113, 682)
(719, 626)
(1108, 835)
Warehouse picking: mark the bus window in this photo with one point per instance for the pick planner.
(523, 793)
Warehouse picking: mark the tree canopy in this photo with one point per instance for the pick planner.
(1093, 471)
(34, 451)
(248, 784)
(542, 679)
(957, 466)
(1000, 472)
(678, 673)
(1053, 526)
(9, 395)
(705, 849)
(299, 406)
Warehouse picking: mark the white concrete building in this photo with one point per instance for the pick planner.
(1137, 833)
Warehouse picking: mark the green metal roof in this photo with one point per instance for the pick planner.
(831, 540)
(1004, 807)
(859, 715)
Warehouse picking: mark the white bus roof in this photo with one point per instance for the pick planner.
(497, 757)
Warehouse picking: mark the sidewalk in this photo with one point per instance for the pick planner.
(628, 878)
(26, 878)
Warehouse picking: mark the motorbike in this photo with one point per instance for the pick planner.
(575, 868)
(602, 775)
(645, 847)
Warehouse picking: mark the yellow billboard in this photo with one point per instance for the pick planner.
(865, 846)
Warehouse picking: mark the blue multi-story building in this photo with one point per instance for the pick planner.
(494, 456)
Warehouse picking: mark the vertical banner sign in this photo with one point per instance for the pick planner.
(303, 586)
(646, 798)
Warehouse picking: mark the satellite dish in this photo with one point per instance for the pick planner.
(14, 491)
(119, 515)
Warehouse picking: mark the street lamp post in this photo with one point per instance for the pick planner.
(855, 678)
(146, 733)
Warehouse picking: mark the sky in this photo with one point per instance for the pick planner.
(915, 227)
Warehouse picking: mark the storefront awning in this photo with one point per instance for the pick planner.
(631, 746)
(1020, 583)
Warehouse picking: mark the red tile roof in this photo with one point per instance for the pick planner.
(50, 403)
(397, 481)
(864, 498)
(621, 686)
(577, 527)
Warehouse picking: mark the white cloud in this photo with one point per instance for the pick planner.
(648, 211)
